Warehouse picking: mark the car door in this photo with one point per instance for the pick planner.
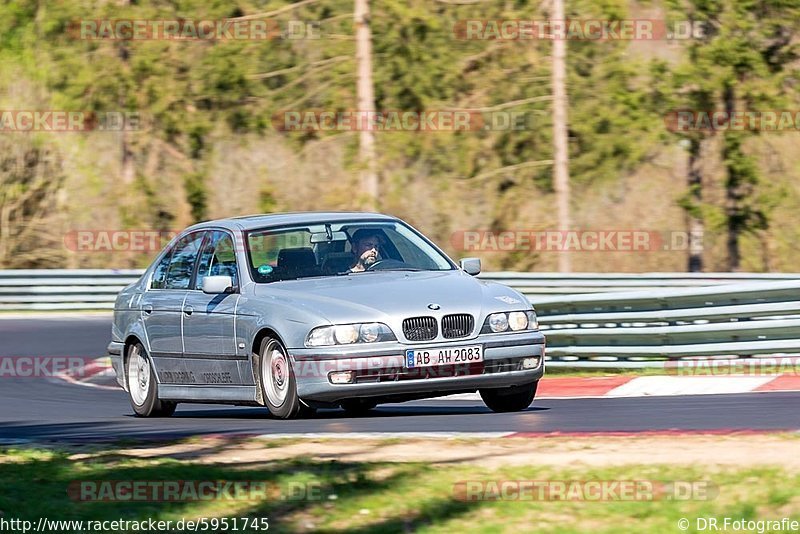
(162, 303)
(209, 321)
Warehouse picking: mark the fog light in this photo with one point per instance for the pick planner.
(530, 363)
(342, 377)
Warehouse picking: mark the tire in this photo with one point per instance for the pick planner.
(357, 407)
(142, 386)
(513, 399)
(277, 381)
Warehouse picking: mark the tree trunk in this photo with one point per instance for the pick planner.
(561, 156)
(766, 251)
(696, 225)
(128, 169)
(366, 105)
(732, 185)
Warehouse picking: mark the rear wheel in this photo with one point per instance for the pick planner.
(278, 384)
(357, 406)
(511, 399)
(142, 386)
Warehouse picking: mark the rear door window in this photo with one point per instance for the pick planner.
(160, 272)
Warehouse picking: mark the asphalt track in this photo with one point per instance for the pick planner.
(47, 409)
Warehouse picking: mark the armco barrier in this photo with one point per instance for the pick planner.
(542, 285)
(62, 289)
(589, 319)
(731, 320)
(83, 289)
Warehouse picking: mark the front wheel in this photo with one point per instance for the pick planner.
(278, 384)
(142, 386)
(513, 399)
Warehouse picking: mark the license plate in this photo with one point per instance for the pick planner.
(443, 356)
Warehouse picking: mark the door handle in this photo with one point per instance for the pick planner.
(188, 310)
(147, 309)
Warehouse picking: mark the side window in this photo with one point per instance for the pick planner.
(160, 272)
(183, 259)
(218, 258)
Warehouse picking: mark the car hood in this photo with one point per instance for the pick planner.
(389, 296)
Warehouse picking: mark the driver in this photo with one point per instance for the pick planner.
(366, 251)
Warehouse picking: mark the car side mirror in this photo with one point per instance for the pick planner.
(471, 265)
(217, 284)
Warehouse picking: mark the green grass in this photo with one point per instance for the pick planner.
(386, 497)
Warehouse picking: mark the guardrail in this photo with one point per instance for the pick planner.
(640, 328)
(84, 289)
(62, 289)
(589, 319)
(543, 285)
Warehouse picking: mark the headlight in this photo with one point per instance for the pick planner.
(533, 322)
(347, 334)
(498, 322)
(320, 337)
(516, 321)
(370, 332)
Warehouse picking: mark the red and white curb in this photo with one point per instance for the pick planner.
(660, 386)
(99, 374)
(96, 374)
(561, 387)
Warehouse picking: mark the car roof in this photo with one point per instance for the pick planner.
(254, 222)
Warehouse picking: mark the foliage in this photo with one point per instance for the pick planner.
(193, 95)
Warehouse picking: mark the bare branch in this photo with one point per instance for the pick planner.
(461, 2)
(317, 64)
(504, 105)
(275, 12)
(320, 88)
(511, 168)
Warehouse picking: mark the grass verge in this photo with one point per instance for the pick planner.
(386, 497)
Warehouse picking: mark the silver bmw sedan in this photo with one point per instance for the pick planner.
(300, 311)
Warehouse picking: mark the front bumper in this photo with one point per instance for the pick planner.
(381, 373)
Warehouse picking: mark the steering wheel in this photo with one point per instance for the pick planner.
(387, 264)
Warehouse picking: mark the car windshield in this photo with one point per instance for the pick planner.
(342, 248)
